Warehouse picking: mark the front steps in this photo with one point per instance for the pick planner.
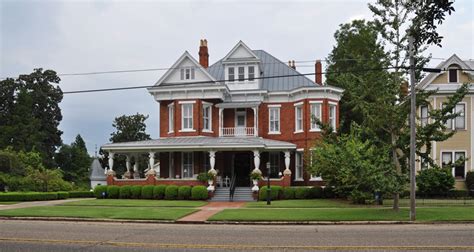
(240, 194)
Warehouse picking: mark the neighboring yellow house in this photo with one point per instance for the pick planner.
(461, 144)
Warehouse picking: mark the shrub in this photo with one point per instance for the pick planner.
(470, 181)
(184, 192)
(275, 193)
(125, 192)
(288, 192)
(28, 196)
(328, 193)
(199, 193)
(63, 195)
(302, 192)
(315, 192)
(159, 192)
(81, 194)
(458, 194)
(147, 192)
(434, 182)
(171, 192)
(100, 190)
(135, 192)
(113, 192)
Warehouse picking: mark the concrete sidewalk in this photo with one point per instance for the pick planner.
(209, 210)
(39, 203)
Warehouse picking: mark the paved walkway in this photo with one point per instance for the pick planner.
(39, 203)
(209, 210)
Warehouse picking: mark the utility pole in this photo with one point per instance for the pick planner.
(412, 132)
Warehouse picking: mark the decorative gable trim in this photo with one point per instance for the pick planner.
(454, 59)
(236, 47)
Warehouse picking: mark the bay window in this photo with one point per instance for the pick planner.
(187, 116)
(274, 120)
(315, 114)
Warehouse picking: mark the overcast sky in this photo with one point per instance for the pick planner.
(87, 36)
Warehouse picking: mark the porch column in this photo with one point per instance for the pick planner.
(128, 165)
(212, 162)
(256, 162)
(136, 174)
(151, 171)
(221, 120)
(111, 164)
(287, 170)
(255, 118)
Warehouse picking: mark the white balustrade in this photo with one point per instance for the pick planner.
(238, 131)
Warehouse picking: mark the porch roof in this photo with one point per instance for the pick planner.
(248, 104)
(200, 142)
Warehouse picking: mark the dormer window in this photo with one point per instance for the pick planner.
(251, 73)
(453, 75)
(187, 73)
(241, 73)
(231, 74)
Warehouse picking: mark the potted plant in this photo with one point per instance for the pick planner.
(255, 176)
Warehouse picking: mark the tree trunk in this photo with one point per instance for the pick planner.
(398, 168)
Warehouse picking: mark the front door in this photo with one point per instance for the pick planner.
(242, 169)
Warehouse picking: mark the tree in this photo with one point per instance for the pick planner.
(128, 128)
(30, 113)
(74, 161)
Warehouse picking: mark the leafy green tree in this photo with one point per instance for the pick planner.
(74, 161)
(30, 113)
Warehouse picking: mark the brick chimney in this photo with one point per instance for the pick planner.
(203, 54)
(318, 73)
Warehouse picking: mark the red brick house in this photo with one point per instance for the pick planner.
(233, 117)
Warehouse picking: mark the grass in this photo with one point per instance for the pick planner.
(137, 213)
(9, 202)
(433, 202)
(312, 203)
(136, 203)
(345, 214)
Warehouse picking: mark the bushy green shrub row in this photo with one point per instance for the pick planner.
(33, 196)
(170, 192)
(81, 194)
(296, 192)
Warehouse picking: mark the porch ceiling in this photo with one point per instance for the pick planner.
(200, 143)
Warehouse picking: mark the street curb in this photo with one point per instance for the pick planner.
(65, 219)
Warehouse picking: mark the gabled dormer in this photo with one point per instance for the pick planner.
(241, 68)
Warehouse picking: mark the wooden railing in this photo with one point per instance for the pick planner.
(238, 131)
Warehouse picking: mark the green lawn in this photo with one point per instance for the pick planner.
(136, 203)
(433, 202)
(345, 214)
(140, 213)
(312, 203)
(8, 202)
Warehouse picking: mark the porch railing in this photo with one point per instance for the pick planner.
(238, 131)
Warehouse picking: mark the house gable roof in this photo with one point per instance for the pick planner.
(240, 52)
(453, 60)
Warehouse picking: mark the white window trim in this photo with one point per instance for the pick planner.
(209, 105)
(192, 73)
(182, 118)
(300, 106)
(248, 73)
(270, 107)
(333, 105)
(453, 123)
(171, 118)
(245, 73)
(228, 74)
(457, 75)
(274, 105)
(187, 102)
(236, 114)
(317, 129)
(301, 178)
(192, 164)
(453, 153)
(427, 115)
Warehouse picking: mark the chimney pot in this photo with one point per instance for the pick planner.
(318, 72)
(203, 54)
(293, 64)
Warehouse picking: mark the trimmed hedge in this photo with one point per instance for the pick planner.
(99, 190)
(184, 192)
(199, 193)
(302, 193)
(63, 195)
(171, 192)
(113, 192)
(275, 192)
(288, 192)
(31, 196)
(159, 192)
(125, 192)
(315, 192)
(81, 194)
(328, 193)
(136, 192)
(147, 192)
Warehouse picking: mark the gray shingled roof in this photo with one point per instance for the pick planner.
(271, 67)
(201, 142)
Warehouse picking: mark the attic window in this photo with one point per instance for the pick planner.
(241, 73)
(187, 73)
(251, 73)
(453, 75)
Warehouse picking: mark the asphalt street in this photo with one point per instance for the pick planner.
(16, 235)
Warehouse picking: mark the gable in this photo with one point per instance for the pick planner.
(239, 52)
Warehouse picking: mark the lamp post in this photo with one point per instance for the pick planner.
(268, 184)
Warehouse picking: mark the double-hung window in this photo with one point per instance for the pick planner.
(424, 115)
(455, 160)
(207, 117)
(299, 165)
(171, 118)
(274, 120)
(459, 122)
(241, 73)
(274, 164)
(187, 116)
(187, 166)
(251, 72)
(231, 76)
(332, 116)
(299, 118)
(315, 115)
(187, 73)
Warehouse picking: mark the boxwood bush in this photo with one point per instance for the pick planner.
(99, 190)
(81, 194)
(302, 192)
(125, 192)
(199, 193)
(28, 196)
(171, 192)
(113, 192)
(315, 192)
(159, 192)
(328, 193)
(63, 195)
(135, 192)
(275, 192)
(184, 192)
(147, 192)
(288, 192)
